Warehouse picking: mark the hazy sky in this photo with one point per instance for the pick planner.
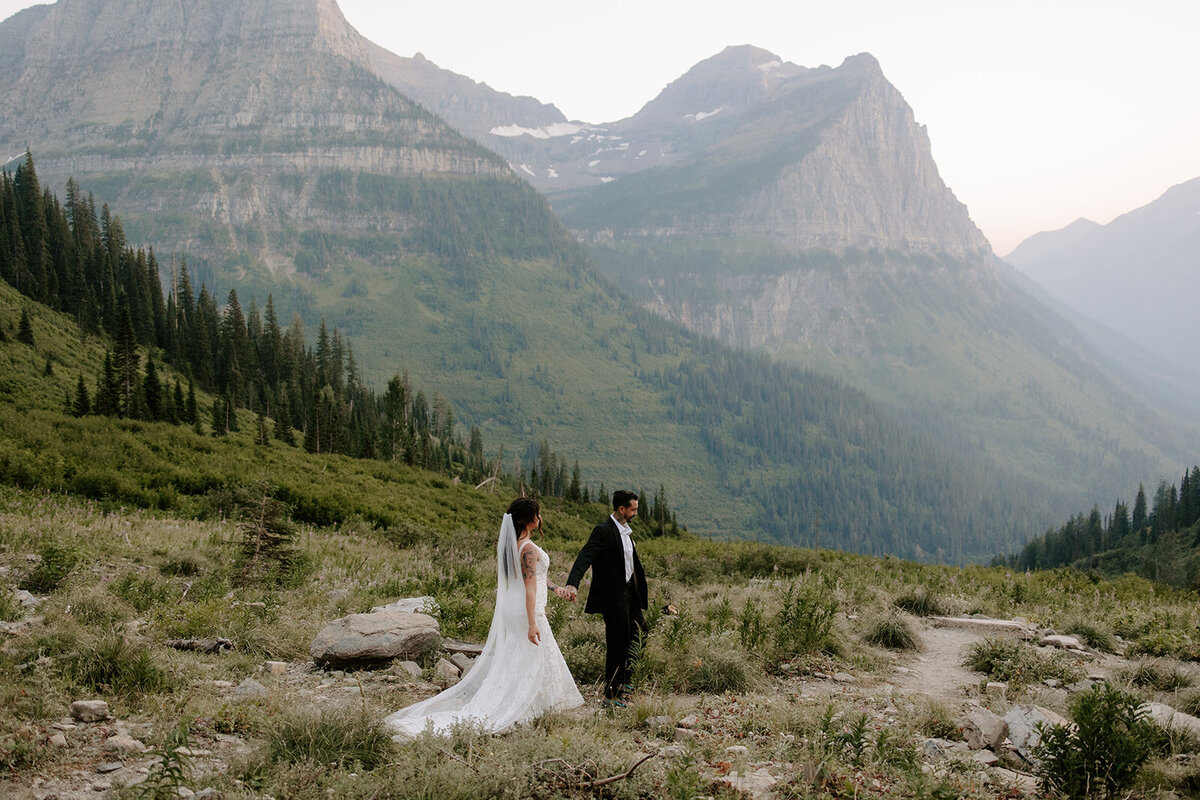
(1040, 111)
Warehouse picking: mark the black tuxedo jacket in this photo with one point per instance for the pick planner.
(606, 557)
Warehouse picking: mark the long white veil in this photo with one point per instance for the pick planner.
(499, 689)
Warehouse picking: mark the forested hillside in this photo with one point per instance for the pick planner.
(787, 455)
(1158, 537)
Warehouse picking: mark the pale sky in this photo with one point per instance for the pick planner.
(1039, 111)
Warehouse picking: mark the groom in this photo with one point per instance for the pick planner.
(618, 589)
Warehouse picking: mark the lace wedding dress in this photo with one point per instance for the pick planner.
(512, 680)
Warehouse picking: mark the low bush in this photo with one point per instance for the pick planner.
(117, 666)
(923, 602)
(1092, 635)
(54, 563)
(1017, 663)
(1100, 755)
(344, 737)
(893, 632)
(10, 609)
(1158, 676)
(804, 623)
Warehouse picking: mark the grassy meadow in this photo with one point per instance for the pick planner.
(746, 651)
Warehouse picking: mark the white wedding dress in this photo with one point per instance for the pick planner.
(512, 680)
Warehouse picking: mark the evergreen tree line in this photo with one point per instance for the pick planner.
(76, 261)
(1173, 511)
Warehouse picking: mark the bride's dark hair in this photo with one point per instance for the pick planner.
(524, 511)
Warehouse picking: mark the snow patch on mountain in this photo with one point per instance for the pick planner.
(545, 132)
(699, 115)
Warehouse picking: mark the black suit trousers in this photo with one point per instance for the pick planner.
(623, 628)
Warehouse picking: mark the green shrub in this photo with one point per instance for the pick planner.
(893, 632)
(923, 602)
(804, 623)
(1015, 662)
(1092, 635)
(143, 593)
(10, 609)
(52, 568)
(345, 737)
(752, 626)
(1101, 754)
(1158, 676)
(116, 666)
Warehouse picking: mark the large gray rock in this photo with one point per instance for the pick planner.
(1022, 726)
(983, 730)
(367, 639)
(1166, 717)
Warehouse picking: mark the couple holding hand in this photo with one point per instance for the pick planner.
(521, 672)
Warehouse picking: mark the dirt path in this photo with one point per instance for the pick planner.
(936, 672)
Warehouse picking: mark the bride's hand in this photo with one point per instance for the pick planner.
(534, 635)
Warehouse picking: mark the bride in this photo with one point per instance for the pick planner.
(521, 672)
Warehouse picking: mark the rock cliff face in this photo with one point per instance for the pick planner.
(232, 111)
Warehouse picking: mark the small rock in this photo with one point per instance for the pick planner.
(101, 786)
(120, 743)
(690, 721)
(27, 600)
(996, 690)
(463, 662)
(1026, 785)
(276, 667)
(58, 740)
(1063, 642)
(685, 734)
(89, 710)
(654, 723)
(64, 726)
(737, 750)
(184, 792)
(1053, 683)
(446, 671)
(844, 677)
(458, 646)
(985, 757)
(410, 667)
(672, 751)
(111, 766)
(757, 784)
(250, 689)
(1166, 717)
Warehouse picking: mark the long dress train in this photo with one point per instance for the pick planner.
(512, 680)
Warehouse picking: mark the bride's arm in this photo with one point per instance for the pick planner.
(529, 559)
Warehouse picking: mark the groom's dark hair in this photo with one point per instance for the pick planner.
(622, 498)
(523, 511)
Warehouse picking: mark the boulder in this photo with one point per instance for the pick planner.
(1022, 726)
(983, 730)
(466, 648)
(1166, 717)
(367, 639)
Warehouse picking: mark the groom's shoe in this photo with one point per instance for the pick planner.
(614, 702)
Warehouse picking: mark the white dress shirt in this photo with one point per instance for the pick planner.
(627, 546)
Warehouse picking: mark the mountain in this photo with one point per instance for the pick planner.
(256, 141)
(1138, 274)
(804, 215)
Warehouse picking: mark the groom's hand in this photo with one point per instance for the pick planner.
(569, 592)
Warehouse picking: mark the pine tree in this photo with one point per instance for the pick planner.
(83, 404)
(25, 329)
(153, 391)
(126, 364)
(192, 412)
